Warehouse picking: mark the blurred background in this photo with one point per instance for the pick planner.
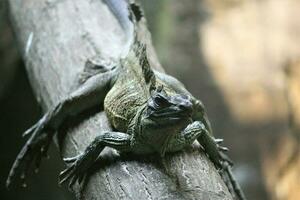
(240, 57)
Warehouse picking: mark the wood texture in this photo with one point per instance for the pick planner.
(56, 37)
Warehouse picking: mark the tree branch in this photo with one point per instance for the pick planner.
(56, 37)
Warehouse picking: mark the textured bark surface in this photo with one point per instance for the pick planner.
(56, 37)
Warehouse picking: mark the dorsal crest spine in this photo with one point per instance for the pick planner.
(141, 53)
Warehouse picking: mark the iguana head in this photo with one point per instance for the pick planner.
(166, 109)
(165, 116)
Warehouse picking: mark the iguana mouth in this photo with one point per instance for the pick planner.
(174, 113)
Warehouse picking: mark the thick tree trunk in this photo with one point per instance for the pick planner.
(56, 38)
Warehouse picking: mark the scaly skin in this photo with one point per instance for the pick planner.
(150, 111)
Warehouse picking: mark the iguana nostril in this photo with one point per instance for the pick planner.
(186, 106)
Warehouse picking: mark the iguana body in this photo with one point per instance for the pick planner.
(150, 112)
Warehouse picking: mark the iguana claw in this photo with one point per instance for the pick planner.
(30, 130)
(71, 160)
(224, 149)
(37, 126)
(219, 140)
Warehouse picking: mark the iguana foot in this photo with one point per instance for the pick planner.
(80, 164)
(96, 65)
(35, 148)
(222, 156)
(222, 150)
(77, 168)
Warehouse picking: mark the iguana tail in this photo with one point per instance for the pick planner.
(138, 48)
(129, 15)
(231, 183)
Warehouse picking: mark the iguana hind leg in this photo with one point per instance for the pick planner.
(82, 162)
(96, 65)
(89, 94)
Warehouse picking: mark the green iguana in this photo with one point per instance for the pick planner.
(151, 112)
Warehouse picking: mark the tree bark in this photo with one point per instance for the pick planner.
(56, 38)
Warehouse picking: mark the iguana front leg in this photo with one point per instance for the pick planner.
(89, 94)
(221, 160)
(81, 163)
(197, 130)
(186, 137)
(204, 135)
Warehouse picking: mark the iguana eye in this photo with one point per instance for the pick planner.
(161, 101)
(158, 101)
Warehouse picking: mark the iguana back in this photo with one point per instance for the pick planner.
(130, 91)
